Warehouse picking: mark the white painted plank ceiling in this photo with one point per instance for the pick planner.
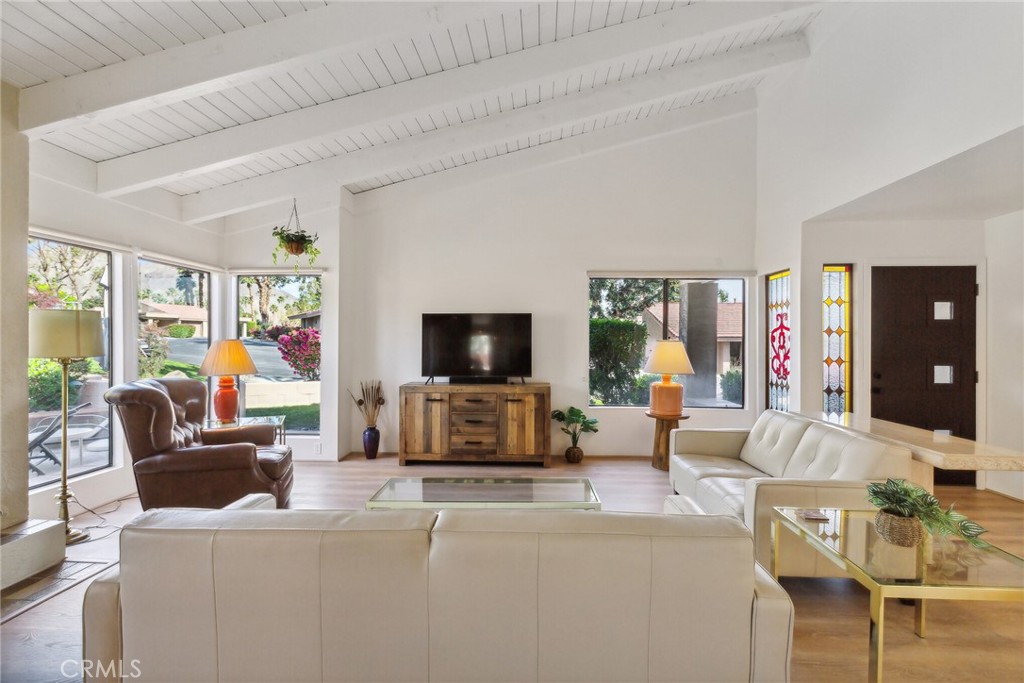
(47, 42)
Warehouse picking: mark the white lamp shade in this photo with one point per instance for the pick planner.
(227, 357)
(64, 333)
(669, 358)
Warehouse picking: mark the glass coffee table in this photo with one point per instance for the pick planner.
(510, 493)
(939, 568)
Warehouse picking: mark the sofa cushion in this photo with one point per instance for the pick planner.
(701, 466)
(826, 452)
(274, 460)
(686, 470)
(722, 495)
(772, 440)
(588, 597)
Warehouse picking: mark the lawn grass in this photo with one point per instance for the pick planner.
(297, 418)
(172, 365)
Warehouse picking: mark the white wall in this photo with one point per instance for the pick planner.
(1004, 247)
(526, 243)
(14, 331)
(889, 89)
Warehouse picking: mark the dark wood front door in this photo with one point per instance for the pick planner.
(923, 350)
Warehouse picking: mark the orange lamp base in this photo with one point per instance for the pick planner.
(225, 399)
(666, 397)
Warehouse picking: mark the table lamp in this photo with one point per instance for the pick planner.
(225, 359)
(668, 358)
(65, 335)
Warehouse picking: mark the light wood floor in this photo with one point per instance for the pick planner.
(967, 641)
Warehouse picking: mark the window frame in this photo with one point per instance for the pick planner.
(111, 296)
(744, 280)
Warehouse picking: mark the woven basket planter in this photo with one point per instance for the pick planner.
(902, 531)
(574, 454)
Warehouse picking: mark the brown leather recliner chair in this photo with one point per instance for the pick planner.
(178, 464)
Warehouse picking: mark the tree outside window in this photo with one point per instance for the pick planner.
(174, 319)
(628, 315)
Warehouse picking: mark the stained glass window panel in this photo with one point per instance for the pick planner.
(779, 339)
(836, 339)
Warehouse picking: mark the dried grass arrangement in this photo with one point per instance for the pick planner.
(370, 404)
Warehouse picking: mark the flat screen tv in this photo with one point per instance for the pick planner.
(477, 347)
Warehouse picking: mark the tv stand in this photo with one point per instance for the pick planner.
(462, 422)
(479, 379)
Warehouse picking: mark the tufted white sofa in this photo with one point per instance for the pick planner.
(783, 460)
(415, 595)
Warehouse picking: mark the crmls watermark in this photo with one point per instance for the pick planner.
(90, 668)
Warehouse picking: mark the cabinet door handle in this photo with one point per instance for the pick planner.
(474, 443)
(474, 422)
(514, 400)
(435, 400)
(474, 400)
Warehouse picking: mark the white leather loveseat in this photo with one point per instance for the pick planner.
(460, 595)
(783, 460)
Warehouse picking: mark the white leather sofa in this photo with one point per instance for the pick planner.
(415, 595)
(783, 460)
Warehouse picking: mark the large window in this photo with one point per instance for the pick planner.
(62, 275)
(174, 319)
(279, 322)
(628, 315)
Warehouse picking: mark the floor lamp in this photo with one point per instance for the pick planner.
(65, 335)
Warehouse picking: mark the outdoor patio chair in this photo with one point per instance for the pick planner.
(40, 438)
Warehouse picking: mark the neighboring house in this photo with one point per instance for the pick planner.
(729, 331)
(307, 319)
(165, 315)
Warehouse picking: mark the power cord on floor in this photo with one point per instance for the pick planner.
(114, 528)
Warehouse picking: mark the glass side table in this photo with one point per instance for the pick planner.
(938, 568)
(276, 420)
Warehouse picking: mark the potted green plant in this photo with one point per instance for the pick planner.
(905, 507)
(295, 242)
(576, 424)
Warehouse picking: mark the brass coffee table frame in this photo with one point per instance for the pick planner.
(791, 519)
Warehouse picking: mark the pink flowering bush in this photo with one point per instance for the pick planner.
(301, 350)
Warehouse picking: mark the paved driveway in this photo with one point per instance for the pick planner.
(264, 354)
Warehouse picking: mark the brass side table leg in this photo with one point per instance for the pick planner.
(919, 614)
(776, 530)
(877, 632)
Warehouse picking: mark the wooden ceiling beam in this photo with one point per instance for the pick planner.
(351, 115)
(227, 60)
(551, 114)
(527, 160)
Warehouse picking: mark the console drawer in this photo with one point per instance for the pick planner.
(474, 403)
(474, 444)
(474, 423)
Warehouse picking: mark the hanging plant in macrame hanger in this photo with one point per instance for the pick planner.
(294, 241)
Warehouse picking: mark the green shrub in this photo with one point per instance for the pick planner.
(152, 350)
(642, 390)
(616, 356)
(44, 382)
(732, 386)
(180, 331)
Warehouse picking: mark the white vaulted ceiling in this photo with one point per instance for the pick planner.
(228, 106)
